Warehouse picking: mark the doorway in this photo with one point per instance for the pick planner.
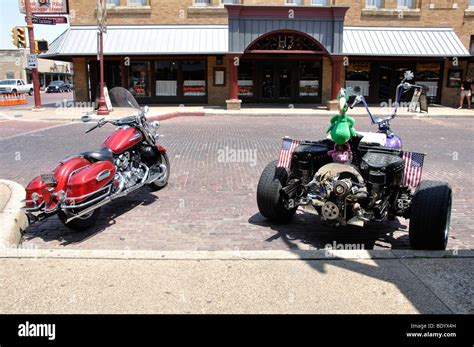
(276, 81)
(390, 75)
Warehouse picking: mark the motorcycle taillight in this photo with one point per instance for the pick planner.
(49, 180)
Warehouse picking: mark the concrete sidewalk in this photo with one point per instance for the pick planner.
(226, 285)
(75, 113)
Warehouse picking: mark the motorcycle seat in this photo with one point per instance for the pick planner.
(104, 154)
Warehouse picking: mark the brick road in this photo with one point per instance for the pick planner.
(210, 205)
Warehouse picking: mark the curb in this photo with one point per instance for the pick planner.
(166, 116)
(233, 255)
(316, 114)
(160, 117)
(13, 219)
(243, 113)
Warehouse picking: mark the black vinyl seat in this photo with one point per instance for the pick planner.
(104, 154)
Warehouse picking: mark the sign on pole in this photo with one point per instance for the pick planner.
(49, 20)
(32, 61)
(102, 15)
(45, 6)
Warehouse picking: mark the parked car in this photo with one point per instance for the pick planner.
(10, 86)
(70, 86)
(57, 87)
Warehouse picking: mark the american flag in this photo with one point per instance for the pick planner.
(413, 168)
(287, 148)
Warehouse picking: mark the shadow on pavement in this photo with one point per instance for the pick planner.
(56, 231)
(310, 230)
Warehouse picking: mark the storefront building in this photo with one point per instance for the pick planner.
(13, 65)
(287, 54)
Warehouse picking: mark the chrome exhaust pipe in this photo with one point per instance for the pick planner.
(161, 176)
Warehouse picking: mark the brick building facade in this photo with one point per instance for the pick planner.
(257, 51)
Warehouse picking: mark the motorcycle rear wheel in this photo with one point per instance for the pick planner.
(84, 222)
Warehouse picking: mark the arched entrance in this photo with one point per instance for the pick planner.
(281, 53)
(282, 66)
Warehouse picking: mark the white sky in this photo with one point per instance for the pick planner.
(10, 16)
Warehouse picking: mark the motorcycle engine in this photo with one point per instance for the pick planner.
(337, 191)
(130, 169)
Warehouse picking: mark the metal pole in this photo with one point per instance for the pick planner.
(103, 110)
(31, 37)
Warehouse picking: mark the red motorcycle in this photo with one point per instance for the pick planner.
(79, 186)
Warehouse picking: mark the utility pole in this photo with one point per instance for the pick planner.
(102, 26)
(31, 37)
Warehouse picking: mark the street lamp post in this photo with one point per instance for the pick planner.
(31, 37)
(101, 21)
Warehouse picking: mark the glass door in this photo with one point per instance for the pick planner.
(285, 73)
(267, 84)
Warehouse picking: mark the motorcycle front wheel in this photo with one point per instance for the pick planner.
(163, 182)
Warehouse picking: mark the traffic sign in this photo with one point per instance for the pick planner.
(49, 20)
(32, 61)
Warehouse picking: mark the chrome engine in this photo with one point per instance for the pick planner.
(130, 170)
(338, 191)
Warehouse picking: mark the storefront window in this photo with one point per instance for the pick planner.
(295, 2)
(357, 75)
(166, 74)
(245, 79)
(194, 78)
(428, 75)
(310, 74)
(139, 79)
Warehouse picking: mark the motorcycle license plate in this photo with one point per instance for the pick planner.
(49, 179)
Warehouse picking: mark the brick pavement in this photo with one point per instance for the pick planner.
(210, 205)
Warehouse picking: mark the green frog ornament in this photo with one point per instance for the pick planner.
(342, 126)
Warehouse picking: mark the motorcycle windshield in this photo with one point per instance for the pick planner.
(121, 97)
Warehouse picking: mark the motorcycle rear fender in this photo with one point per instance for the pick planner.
(62, 173)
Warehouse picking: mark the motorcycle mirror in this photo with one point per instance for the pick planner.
(408, 75)
(146, 109)
(86, 118)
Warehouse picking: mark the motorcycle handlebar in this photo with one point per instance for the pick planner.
(356, 101)
(117, 122)
(90, 129)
